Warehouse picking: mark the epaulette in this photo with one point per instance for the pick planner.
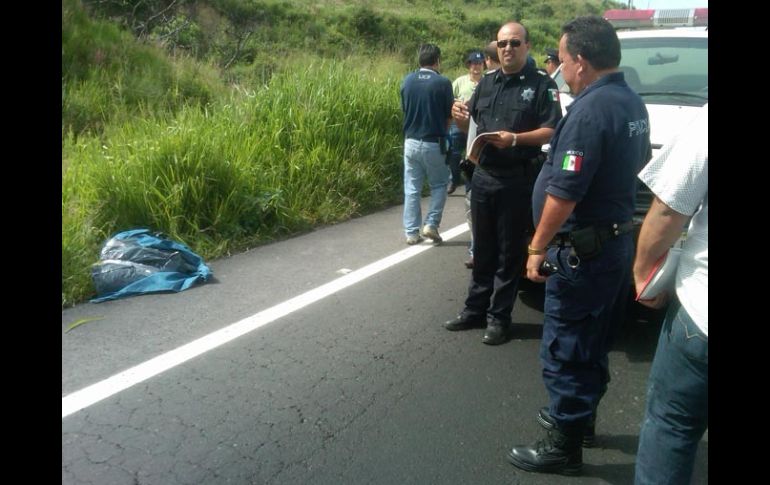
(542, 72)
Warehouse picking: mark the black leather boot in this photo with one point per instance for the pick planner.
(557, 453)
(465, 321)
(589, 433)
(495, 334)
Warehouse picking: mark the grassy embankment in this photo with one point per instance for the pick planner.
(280, 141)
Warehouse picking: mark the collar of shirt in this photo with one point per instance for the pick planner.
(519, 76)
(611, 78)
(429, 70)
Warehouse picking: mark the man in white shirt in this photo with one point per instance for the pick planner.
(676, 415)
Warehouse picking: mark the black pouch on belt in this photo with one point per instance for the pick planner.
(586, 242)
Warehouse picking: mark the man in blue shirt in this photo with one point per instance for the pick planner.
(426, 100)
(582, 205)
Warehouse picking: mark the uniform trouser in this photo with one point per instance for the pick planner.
(578, 328)
(677, 411)
(468, 217)
(500, 209)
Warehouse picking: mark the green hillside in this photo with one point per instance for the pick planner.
(228, 123)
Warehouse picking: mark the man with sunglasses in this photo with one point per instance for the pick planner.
(520, 106)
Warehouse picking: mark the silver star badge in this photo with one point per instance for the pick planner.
(528, 94)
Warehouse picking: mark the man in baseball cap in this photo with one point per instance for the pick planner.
(475, 57)
(551, 60)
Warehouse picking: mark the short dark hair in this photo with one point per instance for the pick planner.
(491, 51)
(593, 38)
(428, 54)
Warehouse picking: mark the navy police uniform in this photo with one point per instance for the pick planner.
(501, 186)
(597, 150)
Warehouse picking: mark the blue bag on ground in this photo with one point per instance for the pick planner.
(140, 261)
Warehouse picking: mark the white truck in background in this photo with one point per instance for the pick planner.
(664, 56)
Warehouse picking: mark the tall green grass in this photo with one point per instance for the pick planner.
(320, 143)
(107, 76)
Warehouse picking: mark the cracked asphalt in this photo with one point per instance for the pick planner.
(362, 387)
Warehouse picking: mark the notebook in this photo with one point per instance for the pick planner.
(661, 277)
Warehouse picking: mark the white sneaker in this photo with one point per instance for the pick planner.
(413, 239)
(431, 232)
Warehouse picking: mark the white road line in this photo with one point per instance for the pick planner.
(94, 393)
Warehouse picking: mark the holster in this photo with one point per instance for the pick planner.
(586, 242)
(467, 167)
(443, 144)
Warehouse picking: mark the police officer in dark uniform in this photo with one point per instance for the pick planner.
(551, 61)
(582, 206)
(521, 106)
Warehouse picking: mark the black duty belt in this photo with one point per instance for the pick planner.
(514, 168)
(605, 232)
(430, 139)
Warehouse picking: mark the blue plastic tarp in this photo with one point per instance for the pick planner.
(139, 261)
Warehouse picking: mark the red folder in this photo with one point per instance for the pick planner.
(661, 277)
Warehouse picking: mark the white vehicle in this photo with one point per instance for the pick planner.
(667, 65)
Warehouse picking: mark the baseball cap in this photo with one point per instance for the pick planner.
(551, 54)
(475, 56)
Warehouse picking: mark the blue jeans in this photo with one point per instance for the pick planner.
(677, 411)
(423, 159)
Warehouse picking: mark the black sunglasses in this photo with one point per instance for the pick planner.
(502, 44)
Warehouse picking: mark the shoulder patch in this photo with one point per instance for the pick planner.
(553, 94)
(572, 161)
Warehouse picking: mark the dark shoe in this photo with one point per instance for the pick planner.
(469, 263)
(465, 322)
(450, 189)
(495, 334)
(557, 453)
(589, 434)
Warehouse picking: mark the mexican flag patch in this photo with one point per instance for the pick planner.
(572, 162)
(553, 94)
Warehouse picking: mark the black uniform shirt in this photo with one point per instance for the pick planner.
(520, 102)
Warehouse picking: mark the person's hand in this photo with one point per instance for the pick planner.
(460, 111)
(501, 139)
(533, 265)
(658, 301)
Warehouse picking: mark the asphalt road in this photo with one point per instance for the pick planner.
(361, 387)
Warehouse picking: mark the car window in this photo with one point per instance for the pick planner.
(664, 70)
(667, 70)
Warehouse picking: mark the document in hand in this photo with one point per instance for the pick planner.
(661, 277)
(471, 135)
(478, 144)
